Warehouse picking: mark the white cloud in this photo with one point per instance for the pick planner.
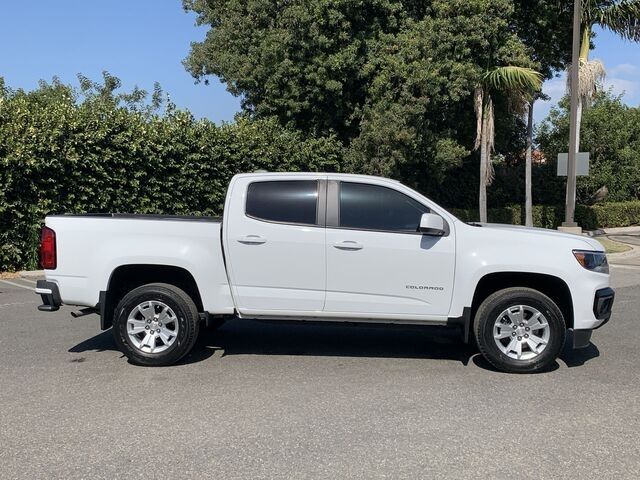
(624, 69)
(622, 79)
(630, 89)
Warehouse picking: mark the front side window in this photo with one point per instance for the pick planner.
(288, 201)
(373, 207)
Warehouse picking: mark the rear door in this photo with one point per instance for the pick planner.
(378, 264)
(275, 242)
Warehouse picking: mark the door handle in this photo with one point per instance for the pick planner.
(348, 245)
(252, 240)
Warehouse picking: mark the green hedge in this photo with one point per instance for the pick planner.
(59, 155)
(614, 214)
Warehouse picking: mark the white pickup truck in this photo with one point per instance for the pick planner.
(326, 247)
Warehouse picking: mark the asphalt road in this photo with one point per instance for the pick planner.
(281, 401)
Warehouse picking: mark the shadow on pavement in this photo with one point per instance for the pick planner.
(577, 357)
(481, 362)
(100, 343)
(243, 337)
(246, 337)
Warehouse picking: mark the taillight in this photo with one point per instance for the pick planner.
(48, 249)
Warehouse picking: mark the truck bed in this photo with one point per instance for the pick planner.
(91, 247)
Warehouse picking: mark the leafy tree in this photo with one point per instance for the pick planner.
(393, 80)
(611, 132)
(302, 61)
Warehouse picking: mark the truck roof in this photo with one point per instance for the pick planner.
(312, 175)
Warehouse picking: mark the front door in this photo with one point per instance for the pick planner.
(378, 264)
(276, 247)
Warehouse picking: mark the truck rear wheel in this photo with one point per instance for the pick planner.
(519, 330)
(156, 324)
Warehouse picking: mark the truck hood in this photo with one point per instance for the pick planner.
(591, 243)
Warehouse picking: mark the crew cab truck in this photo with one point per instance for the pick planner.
(326, 247)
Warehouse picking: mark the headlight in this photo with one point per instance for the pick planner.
(594, 261)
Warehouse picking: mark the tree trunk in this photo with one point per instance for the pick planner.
(578, 125)
(528, 204)
(484, 144)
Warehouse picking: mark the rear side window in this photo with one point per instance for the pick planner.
(373, 207)
(288, 201)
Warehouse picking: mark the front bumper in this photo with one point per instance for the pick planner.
(50, 295)
(602, 305)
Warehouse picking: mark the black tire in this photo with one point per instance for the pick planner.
(187, 318)
(498, 302)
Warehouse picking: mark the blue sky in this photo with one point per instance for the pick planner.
(621, 59)
(142, 41)
(139, 41)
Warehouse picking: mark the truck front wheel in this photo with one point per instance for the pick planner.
(519, 330)
(156, 324)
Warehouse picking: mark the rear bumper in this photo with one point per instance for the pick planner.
(50, 295)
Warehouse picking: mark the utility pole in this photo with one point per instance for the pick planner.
(569, 222)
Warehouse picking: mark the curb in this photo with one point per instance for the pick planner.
(612, 231)
(634, 252)
(621, 230)
(31, 273)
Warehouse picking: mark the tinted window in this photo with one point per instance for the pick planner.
(372, 207)
(283, 201)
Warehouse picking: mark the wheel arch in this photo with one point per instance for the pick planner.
(125, 278)
(552, 286)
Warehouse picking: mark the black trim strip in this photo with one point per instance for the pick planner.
(603, 304)
(321, 206)
(333, 204)
(581, 338)
(463, 322)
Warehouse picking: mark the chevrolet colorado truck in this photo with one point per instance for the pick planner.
(326, 248)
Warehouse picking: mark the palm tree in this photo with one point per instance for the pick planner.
(619, 16)
(528, 197)
(518, 84)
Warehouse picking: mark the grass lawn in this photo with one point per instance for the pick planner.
(613, 247)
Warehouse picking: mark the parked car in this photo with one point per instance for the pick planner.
(331, 248)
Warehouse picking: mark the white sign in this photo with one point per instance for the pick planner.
(582, 164)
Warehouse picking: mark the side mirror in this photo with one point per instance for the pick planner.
(432, 224)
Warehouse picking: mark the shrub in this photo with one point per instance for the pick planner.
(612, 214)
(615, 214)
(59, 155)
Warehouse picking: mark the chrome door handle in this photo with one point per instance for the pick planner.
(252, 240)
(348, 245)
